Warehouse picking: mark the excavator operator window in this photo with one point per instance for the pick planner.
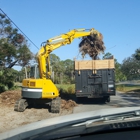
(37, 72)
(34, 72)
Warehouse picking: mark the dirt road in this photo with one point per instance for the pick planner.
(10, 119)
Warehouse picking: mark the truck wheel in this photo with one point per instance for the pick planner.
(56, 105)
(20, 105)
(106, 99)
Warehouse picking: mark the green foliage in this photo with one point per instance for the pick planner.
(131, 68)
(119, 75)
(127, 87)
(106, 55)
(137, 54)
(67, 92)
(10, 84)
(13, 46)
(120, 88)
(71, 90)
(7, 79)
(63, 70)
(14, 50)
(3, 87)
(66, 89)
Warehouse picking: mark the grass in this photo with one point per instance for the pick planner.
(70, 89)
(127, 87)
(66, 91)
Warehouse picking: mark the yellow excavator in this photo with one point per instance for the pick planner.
(39, 87)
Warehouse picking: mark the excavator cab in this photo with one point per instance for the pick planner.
(34, 71)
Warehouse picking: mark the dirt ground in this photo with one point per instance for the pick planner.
(10, 119)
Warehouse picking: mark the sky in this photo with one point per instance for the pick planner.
(117, 20)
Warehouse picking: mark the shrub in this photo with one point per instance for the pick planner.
(120, 87)
(71, 90)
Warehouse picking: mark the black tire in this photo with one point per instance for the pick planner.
(20, 105)
(56, 105)
(106, 99)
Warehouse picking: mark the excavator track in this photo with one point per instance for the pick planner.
(20, 105)
(56, 105)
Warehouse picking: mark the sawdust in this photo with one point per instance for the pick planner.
(92, 45)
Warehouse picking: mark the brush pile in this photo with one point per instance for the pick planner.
(92, 45)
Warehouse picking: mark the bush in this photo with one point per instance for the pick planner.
(3, 87)
(62, 90)
(68, 89)
(120, 87)
(10, 84)
(71, 90)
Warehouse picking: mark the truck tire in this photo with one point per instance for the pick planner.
(20, 105)
(56, 105)
(106, 99)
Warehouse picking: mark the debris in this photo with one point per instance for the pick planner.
(92, 45)
(10, 97)
(68, 105)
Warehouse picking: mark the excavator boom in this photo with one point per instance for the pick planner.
(56, 42)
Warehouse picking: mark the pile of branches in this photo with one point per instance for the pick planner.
(92, 45)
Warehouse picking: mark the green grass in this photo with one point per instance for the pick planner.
(70, 89)
(66, 91)
(127, 87)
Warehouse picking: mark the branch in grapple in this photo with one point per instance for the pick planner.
(92, 45)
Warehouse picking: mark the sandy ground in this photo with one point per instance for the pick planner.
(10, 119)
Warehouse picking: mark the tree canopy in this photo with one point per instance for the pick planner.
(131, 67)
(63, 69)
(13, 45)
(119, 76)
(14, 50)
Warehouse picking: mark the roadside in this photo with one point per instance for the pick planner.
(129, 89)
(10, 119)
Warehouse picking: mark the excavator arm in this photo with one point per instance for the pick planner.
(43, 88)
(56, 42)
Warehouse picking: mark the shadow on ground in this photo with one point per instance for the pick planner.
(130, 99)
(39, 106)
(82, 100)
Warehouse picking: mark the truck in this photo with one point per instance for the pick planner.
(95, 79)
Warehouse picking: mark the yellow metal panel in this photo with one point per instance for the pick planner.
(49, 89)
